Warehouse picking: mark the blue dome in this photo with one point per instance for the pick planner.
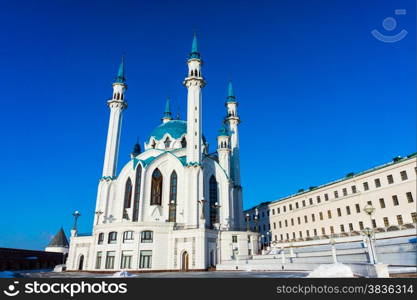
(175, 128)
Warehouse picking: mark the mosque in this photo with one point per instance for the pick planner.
(174, 205)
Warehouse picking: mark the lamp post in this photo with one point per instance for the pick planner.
(256, 219)
(76, 214)
(372, 256)
(332, 243)
(369, 210)
(247, 222)
(98, 214)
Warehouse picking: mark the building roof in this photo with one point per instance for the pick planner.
(59, 240)
(349, 176)
(175, 128)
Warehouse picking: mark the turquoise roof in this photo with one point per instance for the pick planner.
(223, 131)
(194, 49)
(230, 93)
(121, 73)
(175, 128)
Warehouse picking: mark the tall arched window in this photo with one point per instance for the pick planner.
(156, 188)
(183, 142)
(128, 197)
(173, 197)
(213, 202)
(136, 198)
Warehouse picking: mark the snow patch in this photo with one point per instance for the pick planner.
(331, 271)
(123, 273)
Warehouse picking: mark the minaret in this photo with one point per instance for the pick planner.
(223, 149)
(167, 114)
(232, 120)
(117, 104)
(194, 83)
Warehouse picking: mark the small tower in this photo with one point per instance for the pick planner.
(59, 243)
(167, 114)
(194, 83)
(223, 149)
(117, 104)
(232, 120)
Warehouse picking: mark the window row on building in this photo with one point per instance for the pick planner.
(145, 237)
(126, 259)
(319, 198)
(331, 230)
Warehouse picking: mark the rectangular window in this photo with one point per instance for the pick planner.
(293, 235)
(326, 197)
(299, 220)
(318, 199)
(305, 219)
(369, 202)
(284, 208)
(145, 260)
(365, 186)
(348, 210)
(342, 228)
(146, 237)
(321, 215)
(336, 194)
(282, 237)
(339, 212)
(308, 233)
(400, 220)
(390, 179)
(275, 225)
(112, 237)
(313, 218)
(377, 183)
(344, 190)
(292, 222)
(100, 238)
(126, 261)
(386, 222)
(360, 225)
(263, 226)
(315, 232)
(373, 223)
(329, 214)
(110, 259)
(310, 201)
(382, 202)
(353, 189)
(127, 236)
(273, 211)
(296, 204)
(350, 227)
(286, 223)
(290, 206)
(280, 224)
(403, 175)
(301, 234)
(331, 230)
(288, 236)
(323, 231)
(395, 200)
(278, 210)
(414, 217)
(234, 238)
(358, 208)
(98, 259)
(267, 213)
(409, 197)
(304, 203)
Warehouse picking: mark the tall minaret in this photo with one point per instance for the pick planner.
(117, 104)
(232, 120)
(194, 83)
(223, 149)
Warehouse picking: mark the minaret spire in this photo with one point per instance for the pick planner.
(167, 113)
(116, 104)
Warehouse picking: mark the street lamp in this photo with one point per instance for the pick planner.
(98, 214)
(76, 214)
(247, 222)
(372, 255)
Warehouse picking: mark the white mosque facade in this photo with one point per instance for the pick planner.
(173, 206)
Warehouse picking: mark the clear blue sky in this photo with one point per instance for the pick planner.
(319, 96)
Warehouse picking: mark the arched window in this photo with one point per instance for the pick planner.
(183, 142)
(156, 188)
(100, 238)
(112, 237)
(173, 197)
(153, 144)
(213, 202)
(128, 197)
(167, 142)
(136, 198)
(192, 73)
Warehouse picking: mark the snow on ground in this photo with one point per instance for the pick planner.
(331, 271)
(123, 273)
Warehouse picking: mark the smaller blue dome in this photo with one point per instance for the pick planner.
(175, 128)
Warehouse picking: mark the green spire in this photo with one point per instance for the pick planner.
(230, 93)
(223, 131)
(167, 113)
(194, 48)
(121, 73)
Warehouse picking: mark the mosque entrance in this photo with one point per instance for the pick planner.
(184, 261)
(81, 262)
